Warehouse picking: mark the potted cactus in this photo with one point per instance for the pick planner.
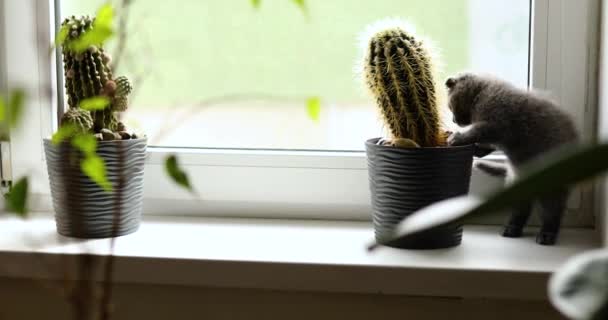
(96, 168)
(413, 167)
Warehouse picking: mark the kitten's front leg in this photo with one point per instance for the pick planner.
(553, 209)
(482, 150)
(519, 217)
(480, 132)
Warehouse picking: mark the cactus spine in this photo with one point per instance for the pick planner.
(89, 74)
(398, 71)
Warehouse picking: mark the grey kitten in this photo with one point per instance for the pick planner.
(524, 126)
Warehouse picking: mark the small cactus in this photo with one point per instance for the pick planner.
(120, 103)
(80, 119)
(123, 86)
(89, 74)
(398, 70)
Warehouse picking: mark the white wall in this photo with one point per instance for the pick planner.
(603, 116)
(33, 300)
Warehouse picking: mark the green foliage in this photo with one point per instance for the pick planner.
(11, 109)
(94, 167)
(91, 165)
(79, 118)
(313, 108)
(15, 106)
(62, 35)
(64, 132)
(176, 173)
(98, 34)
(255, 3)
(398, 70)
(95, 103)
(555, 171)
(16, 198)
(85, 143)
(300, 3)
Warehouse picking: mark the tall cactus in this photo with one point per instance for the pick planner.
(88, 74)
(398, 69)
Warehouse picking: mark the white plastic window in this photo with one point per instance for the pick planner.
(222, 74)
(268, 62)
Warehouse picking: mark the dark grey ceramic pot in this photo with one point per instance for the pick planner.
(82, 208)
(404, 180)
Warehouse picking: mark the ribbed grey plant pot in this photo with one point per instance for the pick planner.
(82, 208)
(404, 180)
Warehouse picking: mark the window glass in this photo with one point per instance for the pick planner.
(223, 74)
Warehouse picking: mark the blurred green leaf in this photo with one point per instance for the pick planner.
(101, 31)
(301, 4)
(105, 16)
(15, 106)
(86, 143)
(63, 133)
(94, 167)
(313, 107)
(62, 35)
(95, 103)
(255, 3)
(94, 37)
(16, 198)
(2, 109)
(176, 173)
(554, 172)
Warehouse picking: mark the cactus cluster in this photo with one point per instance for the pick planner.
(398, 69)
(88, 74)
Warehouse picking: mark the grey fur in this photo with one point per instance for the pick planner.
(524, 125)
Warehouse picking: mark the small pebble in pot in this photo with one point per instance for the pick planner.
(107, 134)
(121, 127)
(134, 136)
(117, 136)
(404, 143)
(98, 136)
(124, 135)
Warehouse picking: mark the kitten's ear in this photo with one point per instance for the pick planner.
(450, 83)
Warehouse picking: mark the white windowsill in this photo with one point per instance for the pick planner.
(299, 255)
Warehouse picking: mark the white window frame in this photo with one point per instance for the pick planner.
(286, 184)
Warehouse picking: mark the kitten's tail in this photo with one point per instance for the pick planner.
(492, 168)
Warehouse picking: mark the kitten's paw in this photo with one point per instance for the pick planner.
(512, 231)
(455, 139)
(546, 238)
